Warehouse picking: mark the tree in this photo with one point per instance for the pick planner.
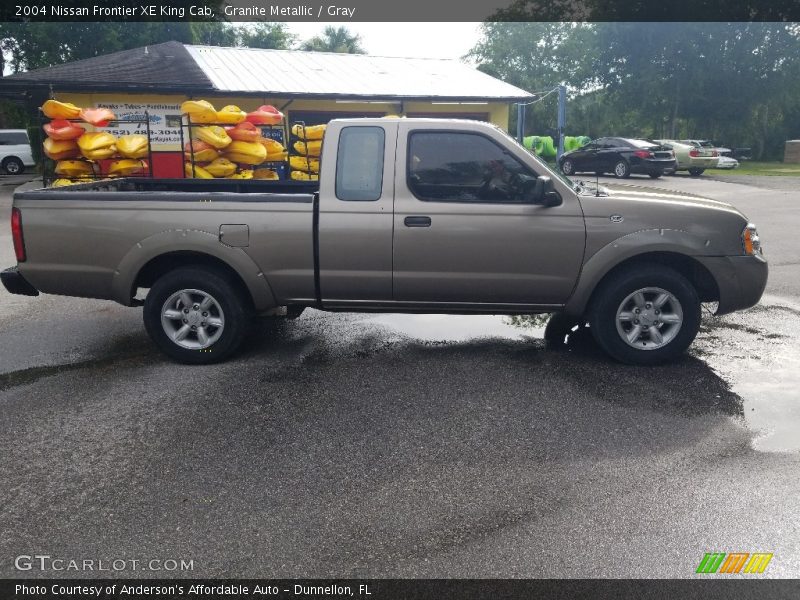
(334, 39)
(738, 82)
(267, 35)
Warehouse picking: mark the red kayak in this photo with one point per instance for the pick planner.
(61, 129)
(265, 115)
(244, 132)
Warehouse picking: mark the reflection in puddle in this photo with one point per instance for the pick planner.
(461, 328)
(762, 366)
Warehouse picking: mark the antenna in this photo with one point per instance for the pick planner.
(597, 184)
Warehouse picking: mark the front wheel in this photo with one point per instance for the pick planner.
(567, 167)
(196, 315)
(646, 314)
(622, 170)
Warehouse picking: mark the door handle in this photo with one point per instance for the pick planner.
(417, 221)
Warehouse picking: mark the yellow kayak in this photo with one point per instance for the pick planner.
(272, 146)
(301, 163)
(95, 140)
(277, 157)
(230, 115)
(132, 146)
(250, 153)
(310, 132)
(214, 135)
(245, 174)
(199, 111)
(125, 167)
(221, 167)
(100, 153)
(60, 110)
(310, 148)
(75, 168)
(197, 172)
(303, 176)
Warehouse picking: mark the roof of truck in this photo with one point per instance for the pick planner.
(174, 66)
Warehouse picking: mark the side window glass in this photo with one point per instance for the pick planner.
(464, 167)
(359, 163)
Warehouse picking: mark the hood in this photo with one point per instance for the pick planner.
(633, 196)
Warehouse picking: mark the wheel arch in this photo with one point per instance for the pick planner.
(599, 268)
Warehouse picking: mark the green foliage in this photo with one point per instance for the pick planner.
(735, 82)
(334, 39)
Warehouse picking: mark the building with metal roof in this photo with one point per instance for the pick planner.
(312, 87)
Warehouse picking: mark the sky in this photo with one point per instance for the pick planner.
(416, 40)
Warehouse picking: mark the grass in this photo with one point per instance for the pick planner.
(749, 167)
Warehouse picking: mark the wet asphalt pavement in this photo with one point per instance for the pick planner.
(349, 445)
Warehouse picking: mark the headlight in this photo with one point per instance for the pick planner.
(751, 241)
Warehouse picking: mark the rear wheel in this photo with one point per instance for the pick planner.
(654, 175)
(13, 166)
(645, 314)
(695, 172)
(196, 315)
(567, 167)
(622, 170)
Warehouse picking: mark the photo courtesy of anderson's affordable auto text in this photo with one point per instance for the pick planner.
(389, 300)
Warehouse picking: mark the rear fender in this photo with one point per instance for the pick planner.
(190, 240)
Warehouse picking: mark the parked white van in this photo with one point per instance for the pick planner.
(15, 151)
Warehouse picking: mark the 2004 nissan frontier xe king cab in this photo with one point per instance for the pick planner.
(410, 215)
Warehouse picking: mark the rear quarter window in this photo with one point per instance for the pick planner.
(359, 164)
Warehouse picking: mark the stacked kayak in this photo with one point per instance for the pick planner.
(228, 143)
(82, 155)
(544, 145)
(307, 149)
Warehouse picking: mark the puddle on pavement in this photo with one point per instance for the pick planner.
(461, 328)
(760, 362)
(758, 353)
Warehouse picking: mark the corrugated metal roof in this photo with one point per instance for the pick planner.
(289, 73)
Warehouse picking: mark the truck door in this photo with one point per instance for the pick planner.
(460, 240)
(355, 215)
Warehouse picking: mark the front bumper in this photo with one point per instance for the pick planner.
(15, 283)
(741, 280)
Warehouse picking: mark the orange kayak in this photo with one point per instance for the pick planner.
(99, 117)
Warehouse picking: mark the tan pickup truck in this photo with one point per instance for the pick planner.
(410, 215)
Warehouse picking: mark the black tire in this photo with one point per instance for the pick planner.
(230, 302)
(13, 166)
(695, 172)
(568, 167)
(622, 170)
(614, 290)
(654, 175)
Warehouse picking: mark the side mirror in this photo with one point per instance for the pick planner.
(543, 192)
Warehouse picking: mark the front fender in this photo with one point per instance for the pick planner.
(190, 240)
(639, 243)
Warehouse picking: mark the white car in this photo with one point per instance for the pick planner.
(15, 151)
(726, 162)
(692, 157)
